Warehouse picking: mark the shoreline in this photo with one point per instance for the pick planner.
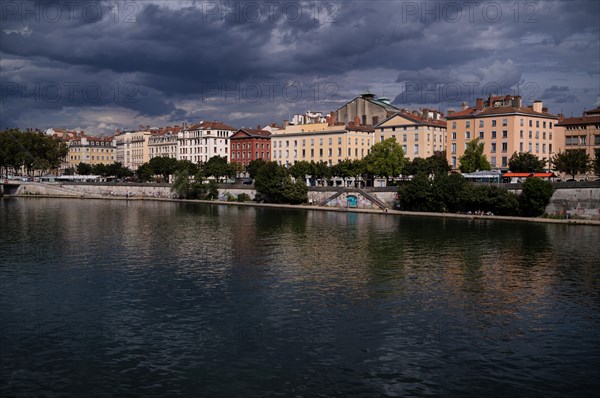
(388, 212)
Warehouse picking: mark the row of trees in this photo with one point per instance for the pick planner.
(571, 162)
(31, 150)
(452, 193)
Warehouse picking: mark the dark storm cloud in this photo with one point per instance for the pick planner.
(253, 62)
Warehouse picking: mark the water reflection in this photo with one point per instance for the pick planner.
(183, 298)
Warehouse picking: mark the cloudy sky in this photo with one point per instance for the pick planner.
(102, 65)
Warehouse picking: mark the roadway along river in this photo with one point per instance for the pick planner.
(116, 298)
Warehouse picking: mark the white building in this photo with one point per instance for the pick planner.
(200, 142)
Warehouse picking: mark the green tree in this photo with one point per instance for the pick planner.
(386, 159)
(294, 192)
(163, 165)
(572, 162)
(181, 184)
(218, 168)
(597, 161)
(419, 195)
(452, 191)
(299, 170)
(526, 162)
(535, 196)
(84, 169)
(473, 159)
(269, 181)
(254, 166)
(144, 172)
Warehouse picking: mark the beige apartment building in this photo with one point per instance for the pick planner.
(581, 133)
(163, 142)
(132, 148)
(504, 126)
(327, 142)
(90, 150)
(421, 133)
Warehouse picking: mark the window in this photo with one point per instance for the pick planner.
(493, 161)
(312, 142)
(330, 141)
(582, 140)
(481, 123)
(493, 122)
(453, 125)
(543, 148)
(521, 134)
(504, 122)
(416, 137)
(453, 148)
(403, 137)
(521, 122)
(416, 149)
(467, 135)
(381, 139)
(340, 140)
(453, 135)
(537, 123)
(543, 135)
(597, 139)
(531, 123)
(530, 150)
(481, 135)
(493, 147)
(404, 149)
(493, 134)
(504, 147)
(454, 161)
(530, 135)
(468, 124)
(521, 147)
(504, 161)
(320, 141)
(504, 133)
(320, 152)
(544, 124)
(537, 147)
(330, 152)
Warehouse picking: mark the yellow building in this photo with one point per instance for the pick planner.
(132, 148)
(320, 142)
(421, 133)
(581, 132)
(90, 150)
(504, 126)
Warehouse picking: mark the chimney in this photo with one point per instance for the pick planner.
(450, 111)
(258, 127)
(546, 110)
(356, 121)
(479, 104)
(537, 106)
(517, 102)
(286, 123)
(561, 117)
(464, 106)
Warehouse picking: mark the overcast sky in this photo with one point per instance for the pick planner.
(102, 65)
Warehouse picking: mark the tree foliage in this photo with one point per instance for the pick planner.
(535, 196)
(572, 162)
(526, 162)
(275, 185)
(597, 161)
(434, 166)
(32, 150)
(386, 159)
(473, 159)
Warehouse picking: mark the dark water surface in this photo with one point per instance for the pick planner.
(115, 298)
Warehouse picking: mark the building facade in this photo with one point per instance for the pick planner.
(504, 126)
(326, 142)
(91, 150)
(581, 133)
(164, 143)
(132, 148)
(200, 142)
(246, 145)
(421, 133)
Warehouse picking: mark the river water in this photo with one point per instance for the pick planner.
(130, 298)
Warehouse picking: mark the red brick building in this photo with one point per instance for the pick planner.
(247, 145)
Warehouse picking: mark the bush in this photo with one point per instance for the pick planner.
(243, 197)
(535, 197)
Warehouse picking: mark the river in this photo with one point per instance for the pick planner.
(140, 298)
